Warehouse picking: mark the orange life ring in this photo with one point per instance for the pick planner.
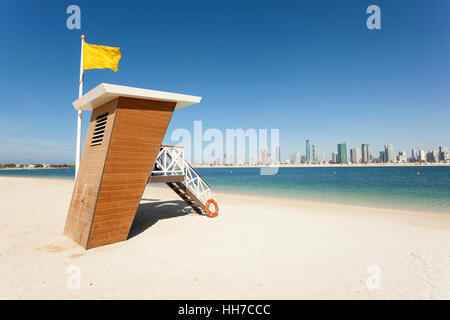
(216, 206)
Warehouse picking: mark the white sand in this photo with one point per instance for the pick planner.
(257, 248)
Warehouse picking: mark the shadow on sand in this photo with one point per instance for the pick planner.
(149, 213)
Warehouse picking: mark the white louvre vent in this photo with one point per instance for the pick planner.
(99, 130)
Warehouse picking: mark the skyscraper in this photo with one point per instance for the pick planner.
(277, 154)
(365, 153)
(442, 152)
(389, 153)
(415, 153)
(334, 158)
(432, 156)
(382, 156)
(342, 152)
(422, 155)
(308, 152)
(265, 156)
(402, 157)
(297, 158)
(313, 153)
(436, 155)
(354, 155)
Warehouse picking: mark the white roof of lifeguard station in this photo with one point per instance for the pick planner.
(106, 92)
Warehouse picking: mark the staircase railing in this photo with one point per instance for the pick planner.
(171, 161)
(196, 184)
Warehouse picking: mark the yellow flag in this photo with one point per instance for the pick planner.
(100, 57)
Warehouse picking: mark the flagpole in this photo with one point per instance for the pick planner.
(80, 93)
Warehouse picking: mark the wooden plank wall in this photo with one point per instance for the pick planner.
(139, 128)
(85, 192)
(113, 175)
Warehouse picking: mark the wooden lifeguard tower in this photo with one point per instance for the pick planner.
(121, 154)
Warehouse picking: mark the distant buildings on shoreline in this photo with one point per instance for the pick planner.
(343, 155)
(34, 166)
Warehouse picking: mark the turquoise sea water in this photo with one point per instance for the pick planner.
(390, 187)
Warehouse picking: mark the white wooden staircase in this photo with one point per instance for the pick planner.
(171, 168)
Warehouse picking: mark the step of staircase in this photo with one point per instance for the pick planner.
(184, 193)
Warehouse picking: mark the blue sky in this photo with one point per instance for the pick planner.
(309, 68)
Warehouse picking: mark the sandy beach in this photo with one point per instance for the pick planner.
(258, 248)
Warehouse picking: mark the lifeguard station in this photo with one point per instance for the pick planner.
(121, 154)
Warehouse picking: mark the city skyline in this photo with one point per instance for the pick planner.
(363, 154)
